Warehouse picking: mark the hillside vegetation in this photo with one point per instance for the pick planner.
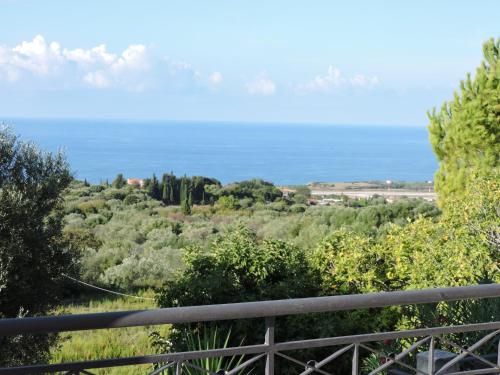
(127, 239)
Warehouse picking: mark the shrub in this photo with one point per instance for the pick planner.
(94, 220)
(92, 206)
(228, 202)
(115, 194)
(132, 199)
(238, 268)
(150, 268)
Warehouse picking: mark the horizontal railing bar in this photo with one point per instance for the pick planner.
(251, 349)
(247, 310)
(137, 360)
(476, 372)
(370, 337)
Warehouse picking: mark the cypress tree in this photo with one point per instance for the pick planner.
(184, 197)
(154, 188)
(165, 195)
(172, 189)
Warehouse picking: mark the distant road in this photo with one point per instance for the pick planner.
(389, 194)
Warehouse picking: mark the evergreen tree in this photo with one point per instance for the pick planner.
(172, 191)
(165, 193)
(182, 192)
(119, 181)
(465, 132)
(154, 188)
(184, 197)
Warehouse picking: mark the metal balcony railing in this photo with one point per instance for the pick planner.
(270, 350)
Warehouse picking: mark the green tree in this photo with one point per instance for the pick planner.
(172, 191)
(33, 255)
(184, 196)
(154, 188)
(301, 195)
(258, 190)
(169, 185)
(119, 181)
(165, 195)
(465, 132)
(239, 268)
(462, 248)
(228, 202)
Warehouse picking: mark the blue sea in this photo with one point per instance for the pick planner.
(282, 153)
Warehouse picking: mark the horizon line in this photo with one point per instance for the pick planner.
(6, 120)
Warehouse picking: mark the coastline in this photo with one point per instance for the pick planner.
(390, 195)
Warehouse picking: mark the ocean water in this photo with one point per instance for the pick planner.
(282, 153)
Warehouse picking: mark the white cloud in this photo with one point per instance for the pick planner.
(91, 56)
(261, 86)
(334, 80)
(97, 79)
(363, 81)
(323, 83)
(133, 58)
(41, 64)
(37, 56)
(215, 78)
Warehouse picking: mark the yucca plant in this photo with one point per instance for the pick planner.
(208, 339)
(370, 363)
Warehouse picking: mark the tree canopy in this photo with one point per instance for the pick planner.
(465, 132)
(33, 256)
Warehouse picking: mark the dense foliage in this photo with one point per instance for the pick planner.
(172, 190)
(239, 267)
(33, 258)
(130, 240)
(256, 190)
(465, 132)
(462, 248)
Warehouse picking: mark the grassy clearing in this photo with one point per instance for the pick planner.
(109, 343)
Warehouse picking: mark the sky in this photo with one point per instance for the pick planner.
(341, 62)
